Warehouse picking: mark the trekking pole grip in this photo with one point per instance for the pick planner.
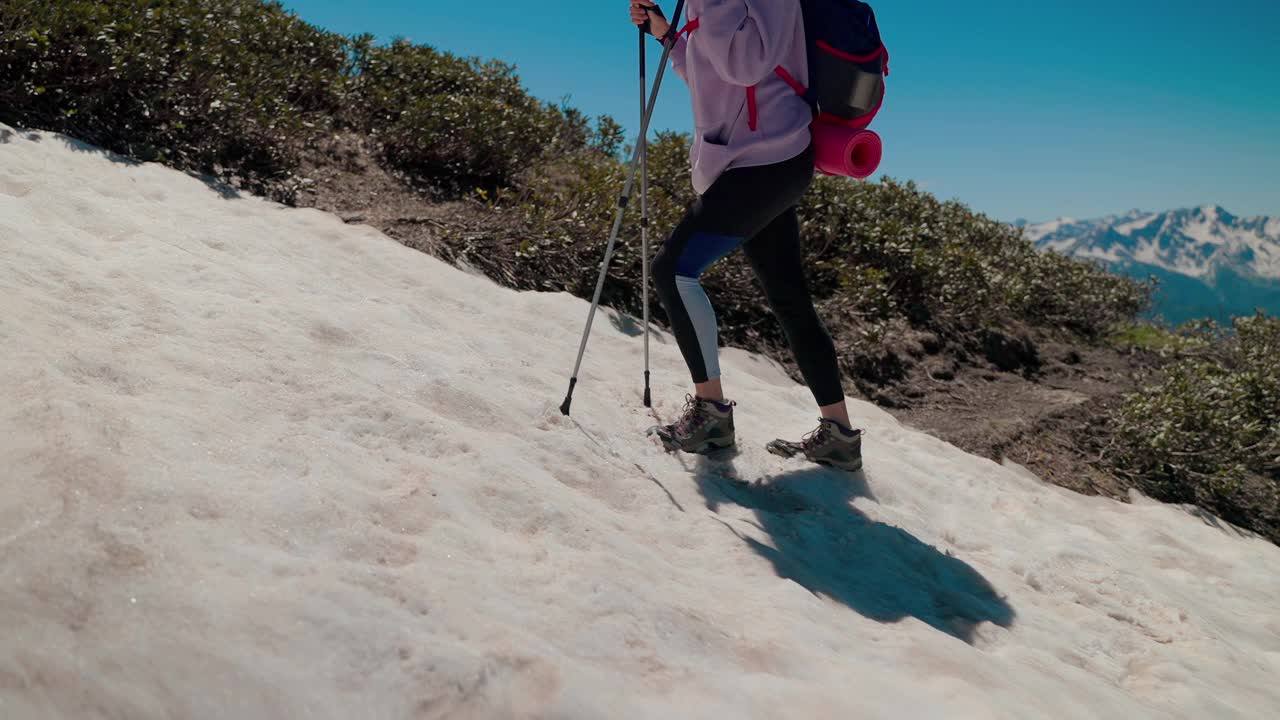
(647, 26)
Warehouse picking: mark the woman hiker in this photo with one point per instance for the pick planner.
(752, 160)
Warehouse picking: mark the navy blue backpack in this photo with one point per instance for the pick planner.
(848, 61)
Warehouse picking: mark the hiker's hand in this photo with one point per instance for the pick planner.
(647, 11)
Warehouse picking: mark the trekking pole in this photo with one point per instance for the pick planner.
(667, 44)
(644, 217)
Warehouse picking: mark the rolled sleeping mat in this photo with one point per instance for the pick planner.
(842, 150)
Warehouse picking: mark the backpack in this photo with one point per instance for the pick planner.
(848, 62)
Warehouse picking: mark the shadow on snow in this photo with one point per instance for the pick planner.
(819, 540)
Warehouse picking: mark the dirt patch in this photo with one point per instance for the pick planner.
(1052, 421)
(342, 176)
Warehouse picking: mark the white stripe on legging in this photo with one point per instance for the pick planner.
(703, 317)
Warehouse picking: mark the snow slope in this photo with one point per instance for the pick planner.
(261, 464)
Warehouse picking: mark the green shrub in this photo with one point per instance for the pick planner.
(234, 85)
(1209, 431)
(1131, 336)
(240, 87)
(568, 208)
(898, 251)
(878, 253)
(457, 122)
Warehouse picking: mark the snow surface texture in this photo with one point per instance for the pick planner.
(1196, 242)
(262, 464)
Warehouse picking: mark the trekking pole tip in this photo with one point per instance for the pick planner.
(568, 397)
(648, 398)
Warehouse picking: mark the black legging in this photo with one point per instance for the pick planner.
(753, 208)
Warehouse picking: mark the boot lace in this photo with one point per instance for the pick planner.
(691, 418)
(815, 438)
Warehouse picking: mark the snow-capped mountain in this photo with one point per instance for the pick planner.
(1209, 262)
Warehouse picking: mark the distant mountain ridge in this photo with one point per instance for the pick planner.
(1210, 263)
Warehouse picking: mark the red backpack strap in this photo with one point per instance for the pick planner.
(788, 79)
(753, 113)
(689, 27)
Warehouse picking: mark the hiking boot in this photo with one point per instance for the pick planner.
(704, 426)
(830, 444)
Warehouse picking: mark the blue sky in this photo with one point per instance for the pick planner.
(1017, 108)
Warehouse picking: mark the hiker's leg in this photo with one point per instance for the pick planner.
(774, 254)
(693, 321)
(738, 205)
(710, 390)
